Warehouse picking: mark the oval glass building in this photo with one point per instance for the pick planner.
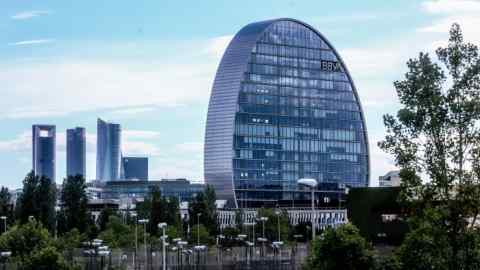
(283, 107)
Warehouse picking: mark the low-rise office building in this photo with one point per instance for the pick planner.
(391, 179)
(180, 188)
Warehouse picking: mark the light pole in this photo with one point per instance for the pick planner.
(263, 239)
(312, 183)
(4, 218)
(144, 222)
(5, 255)
(181, 244)
(277, 212)
(198, 228)
(253, 230)
(96, 243)
(263, 219)
(162, 226)
(219, 250)
(136, 240)
(103, 251)
(57, 209)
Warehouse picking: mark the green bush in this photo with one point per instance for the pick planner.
(341, 248)
(47, 258)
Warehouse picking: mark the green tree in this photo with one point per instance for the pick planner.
(205, 205)
(173, 218)
(74, 203)
(47, 258)
(172, 232)
(104, 217)
(435, 141)
(32, 247)
(423, 240)
(22, 240)
(119, 235)
(158, 208)
(26, 205)
(46, 198)
(203, 234)
(69, 241)
(38, 200)
(341, 248)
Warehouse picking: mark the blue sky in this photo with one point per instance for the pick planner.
(149, 66)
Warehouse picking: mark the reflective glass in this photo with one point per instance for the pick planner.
(297, 117)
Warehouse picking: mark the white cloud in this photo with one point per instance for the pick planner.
(140, 148)
(140, 134)
(464, 12)
(451, 6)
(132, 111)
(25, 15)
(381, 162)
(217, 46)
(189, 168)
(126, 86)
(31, 42)
(32, 113)
(74, 86)
(371, 68)
(21, 143)
(350, 18)
(190, 147)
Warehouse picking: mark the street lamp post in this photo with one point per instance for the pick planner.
(96, 243)
(181, 244)
(277, 212)
(263, 219)
(198, 228)
(263, 239)
(253, 230)
(103, 251)
(312, 183)
(162, 226)
(136, 240)
(5, 255)
(219, 250)
(144, 222)
(57, 209)
(4, 218)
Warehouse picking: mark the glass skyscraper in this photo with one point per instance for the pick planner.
(43, 150)
(109, 153)
(283, 107)
(76, 152)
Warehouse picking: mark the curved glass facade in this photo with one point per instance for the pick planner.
(109, 153)
(295, 114)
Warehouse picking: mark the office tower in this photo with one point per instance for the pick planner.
(108, 151)
(135, 168)
(76, 152)
(43, 150)
(283, 107)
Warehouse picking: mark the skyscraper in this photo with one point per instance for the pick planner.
(43, 150)
(76, 152)
(135, 168)
(283, 107)
(109, 153)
